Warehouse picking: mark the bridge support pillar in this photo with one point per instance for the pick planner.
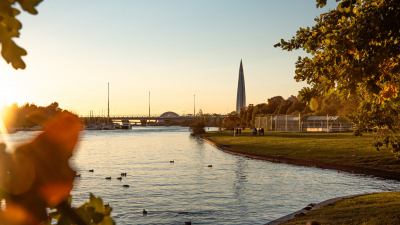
(143, 122)
(167, 122)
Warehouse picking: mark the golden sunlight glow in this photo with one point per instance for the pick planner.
(3, 130)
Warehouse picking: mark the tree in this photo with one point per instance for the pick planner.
(249, 115)
(218, 121)
(272, 104)
(231, 121)
(9, 28)
(283, 107)
(296, 107)
(355, 53)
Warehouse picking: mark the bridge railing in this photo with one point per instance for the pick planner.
(142, 116)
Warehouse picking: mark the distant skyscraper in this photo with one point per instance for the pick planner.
(241, 92)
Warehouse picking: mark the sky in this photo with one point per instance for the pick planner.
(173, 49)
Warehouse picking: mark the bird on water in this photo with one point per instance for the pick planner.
(172, 161)
(144, 211)
(91, 171)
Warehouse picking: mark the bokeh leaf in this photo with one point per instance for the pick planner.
(38, 175)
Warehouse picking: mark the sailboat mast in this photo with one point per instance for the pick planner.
(149, 103)
(108, 111)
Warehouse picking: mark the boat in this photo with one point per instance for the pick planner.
(126, 126)
(91, 127)
(109, 127)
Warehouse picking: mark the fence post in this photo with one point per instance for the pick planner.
(327, 123)
(271, 122)
(299, 124)
(276, 122)
(286, 123)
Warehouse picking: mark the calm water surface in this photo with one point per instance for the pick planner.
(235, 190)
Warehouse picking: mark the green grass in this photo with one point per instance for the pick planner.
(375, 209)
(342, 148)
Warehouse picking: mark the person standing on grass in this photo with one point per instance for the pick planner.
(254, 131)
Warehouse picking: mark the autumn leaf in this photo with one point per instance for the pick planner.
(37, 175)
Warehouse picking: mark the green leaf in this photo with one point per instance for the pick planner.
(97, 217)
(96, 203)
(107, 220)
(29, 5)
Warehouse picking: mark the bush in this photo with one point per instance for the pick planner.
(198, 127)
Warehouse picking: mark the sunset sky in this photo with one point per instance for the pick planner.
(174, 49)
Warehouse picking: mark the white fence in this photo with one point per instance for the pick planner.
(279, 123)
(307, 124)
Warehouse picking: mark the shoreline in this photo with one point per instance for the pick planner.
(290, 216)
(387, 174)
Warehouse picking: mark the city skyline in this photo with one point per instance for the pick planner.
(169, 48)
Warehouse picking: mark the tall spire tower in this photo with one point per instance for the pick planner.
(241, 92)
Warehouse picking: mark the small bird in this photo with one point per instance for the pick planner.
(209, 165)
(144, 211)
(108, 178)
(91, 171)
(78, 175)
(123, 174)
(125, 185)
(188, 222)
(172, 161)
(119, 178)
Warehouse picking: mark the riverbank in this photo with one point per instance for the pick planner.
(373, 209)
(340, 151)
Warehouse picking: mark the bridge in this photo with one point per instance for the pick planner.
(143, 119)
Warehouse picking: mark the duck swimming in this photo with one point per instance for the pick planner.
(108, 178)
(123, 174)
(119, 178)
(144, 211)
(91, 171)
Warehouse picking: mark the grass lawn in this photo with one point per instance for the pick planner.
(375, 209)
(342, 148)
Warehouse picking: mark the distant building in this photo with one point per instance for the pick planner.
(241, 92)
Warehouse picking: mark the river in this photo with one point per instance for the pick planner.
(235, 190)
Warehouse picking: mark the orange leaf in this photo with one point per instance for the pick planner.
(41, 174)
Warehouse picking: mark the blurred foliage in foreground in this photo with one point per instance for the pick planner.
(37, 176)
